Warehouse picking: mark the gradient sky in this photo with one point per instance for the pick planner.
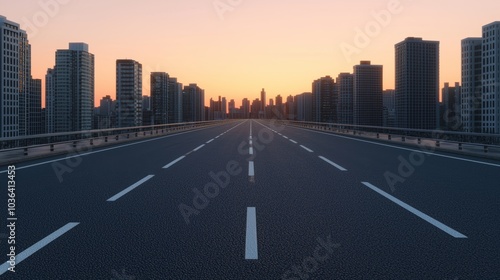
(281, 46)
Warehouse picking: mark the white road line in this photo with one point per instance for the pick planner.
(251, 170)
(173, 162)
(217, 136)
(37, 246)
(250, 143)
(306, 148)
(197, 149)
(418, 213)
(401, 148)
(333, 163)
(251, 248)
(250, 137)
(285, 137)
(250, 151)
(127, 190)
(210, 141)
(293, 141)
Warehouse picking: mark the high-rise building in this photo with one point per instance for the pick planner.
(256, 106)
(232, 109)
(160, 97)
(263, 103)
(389, 101)
(491, 78)
(290, 108)
(14, 78)
(245, 108)
(129, 92)
(367, 94)
(451, 99)
(303, 103)
(193, 103)
(70, 90)
(34, 108)
(345, 84)
(417, 83)
(472, 88)
(146, 103)
(324, 100)
(175, 98)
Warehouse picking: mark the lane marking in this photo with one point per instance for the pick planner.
(306, 148)
(127, 190)
(333, 163)
(251, 172)
(402, 148)
(251, 248)
(250, 143)
(197, 149)
(210, 141)
(416, 212)
(173, 162)
(293, 141)
(37, 246)
(285, 137)
(250, 150)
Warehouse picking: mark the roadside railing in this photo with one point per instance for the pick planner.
(460, 140)
(54, 142)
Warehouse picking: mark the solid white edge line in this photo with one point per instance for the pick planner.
(127, 190)
(333, 163)
(251, 170)
(197, 149)
(251, 247)
(306, 148)
(37, 246)
(416, 212)
(173, 162)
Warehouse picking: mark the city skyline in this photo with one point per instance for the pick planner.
(283, 64)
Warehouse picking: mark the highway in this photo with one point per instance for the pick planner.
(254, 199)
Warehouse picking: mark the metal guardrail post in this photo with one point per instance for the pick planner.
(51, 147)
(116, 137)
(486, 149)
(403, 138)
(128, 135)
(419, 141)
(106, 139)
(460, 146)
(91, 142)
(438, 144)
(136, 134)
(389, 137)
(74, 144)
(378, 136)
(25, 151)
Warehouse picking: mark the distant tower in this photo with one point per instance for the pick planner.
(129, 92)
(263, 103)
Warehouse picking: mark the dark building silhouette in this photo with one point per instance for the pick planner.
(367, 98)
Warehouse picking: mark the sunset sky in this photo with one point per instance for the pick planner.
(244, 45)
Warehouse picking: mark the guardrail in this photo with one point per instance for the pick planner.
(26, 144)
(460, 139)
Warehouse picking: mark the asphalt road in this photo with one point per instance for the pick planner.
(254, 200)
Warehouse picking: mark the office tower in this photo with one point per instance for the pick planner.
(303, 103)
(175, 96)
(367, 97)
(471, 107)
(417, 83)
(324, 100)
(451, 99)
(129, 92)
(271, 102)
(263, 103)
(146, 103)
(345, 84)
(106, 106)
(245, 108)
(256, 107)
(290, 108)
(34, 108)
(193, 101)
(160, 97)
(389, 102)
(14, 78)
(70, 90)
(491, 78)
(232, 109)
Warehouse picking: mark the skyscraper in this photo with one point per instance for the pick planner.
(303, 103)
(417, 83)
(245, 108)
(491, 78)
(14, 78)
(175, 98)
(367, 94)
(345, 84)
(34, 108)
(451, 97)
(70, 90)
(129, 92)
(324, 100)
(193, 103)
(389, 102)
(159, 97)
(471, 107)
(263, 103)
